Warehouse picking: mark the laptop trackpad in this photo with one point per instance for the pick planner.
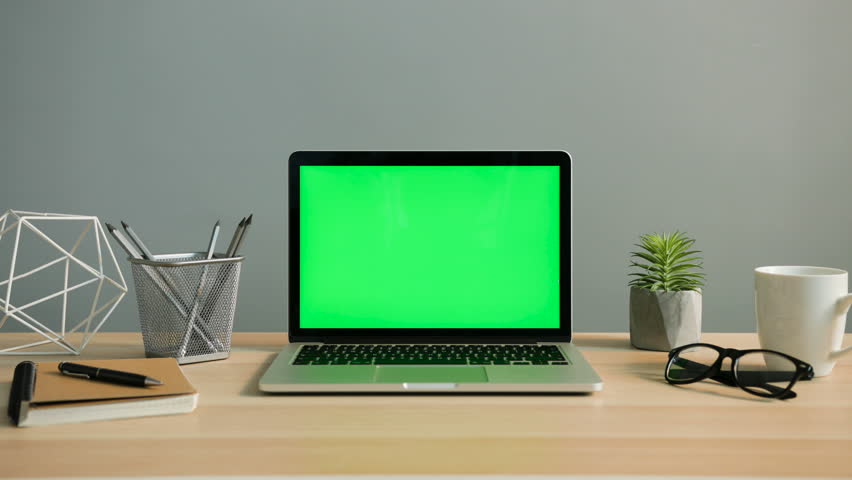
(422, 374)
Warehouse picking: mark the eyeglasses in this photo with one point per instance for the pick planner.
(765, 373)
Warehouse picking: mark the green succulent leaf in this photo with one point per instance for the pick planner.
(669, 264)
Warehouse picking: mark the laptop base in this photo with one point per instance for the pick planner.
(577, 377)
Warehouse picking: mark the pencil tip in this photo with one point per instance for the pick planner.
(248, 220)
(218, 222)
(109, 227)
(123, 225)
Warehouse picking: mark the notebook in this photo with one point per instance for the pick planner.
(41, 395)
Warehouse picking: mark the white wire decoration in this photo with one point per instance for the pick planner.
(12, 223)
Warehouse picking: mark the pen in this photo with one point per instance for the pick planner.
(138, 241)
(106, 375)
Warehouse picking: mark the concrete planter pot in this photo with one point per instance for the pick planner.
(662, 321)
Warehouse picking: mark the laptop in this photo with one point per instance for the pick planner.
(417, 272)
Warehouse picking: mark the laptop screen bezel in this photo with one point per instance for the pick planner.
(430, 335)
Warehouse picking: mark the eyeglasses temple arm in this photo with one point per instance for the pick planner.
(747, 379)
(724, 378)
(756, 379)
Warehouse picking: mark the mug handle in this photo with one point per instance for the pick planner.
(842, 308)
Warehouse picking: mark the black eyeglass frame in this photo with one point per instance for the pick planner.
(804, 370)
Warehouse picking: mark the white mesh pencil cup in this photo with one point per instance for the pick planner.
(186, 305)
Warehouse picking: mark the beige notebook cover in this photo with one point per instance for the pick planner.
(58, 398)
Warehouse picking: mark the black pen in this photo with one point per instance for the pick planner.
(106, 375)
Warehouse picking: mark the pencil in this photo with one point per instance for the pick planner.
(230, 251)
(126, 245)
(138, 241)
(243, 235)
(213, 237)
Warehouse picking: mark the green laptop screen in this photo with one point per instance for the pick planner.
(429, 247)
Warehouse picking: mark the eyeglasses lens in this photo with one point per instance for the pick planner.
(691, 363)
(765, 373)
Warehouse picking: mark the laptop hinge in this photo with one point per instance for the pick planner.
(429, 341)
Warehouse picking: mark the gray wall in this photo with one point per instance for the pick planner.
(730, 120)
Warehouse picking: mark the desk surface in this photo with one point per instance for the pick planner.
(637, 425)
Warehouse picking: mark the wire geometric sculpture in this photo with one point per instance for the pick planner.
(15, 222)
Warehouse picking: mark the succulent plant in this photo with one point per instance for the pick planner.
(670, 264)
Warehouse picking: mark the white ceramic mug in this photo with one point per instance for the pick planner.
(801, 311)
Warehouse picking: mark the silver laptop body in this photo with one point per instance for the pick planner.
(330, 327)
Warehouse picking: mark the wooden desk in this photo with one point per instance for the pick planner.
(637, 425)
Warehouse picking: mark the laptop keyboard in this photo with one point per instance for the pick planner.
(430, 355)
